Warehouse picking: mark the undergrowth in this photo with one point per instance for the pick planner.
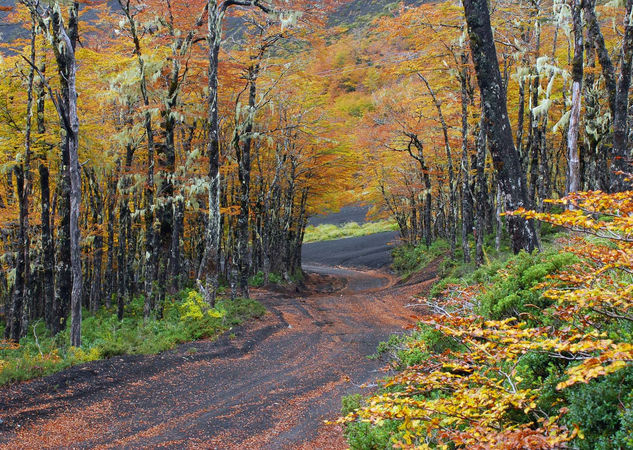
(508, 289)
(185, 318)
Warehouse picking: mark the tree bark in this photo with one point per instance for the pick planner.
(618, 91)
(505, 156)
(465, 169)
(573, 171)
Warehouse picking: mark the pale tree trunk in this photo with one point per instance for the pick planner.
(480, 193)
(210, 261)
(211, 258)
(465, 169)
(64, 39)
(573, 175)
(150, 238)
(71, 128)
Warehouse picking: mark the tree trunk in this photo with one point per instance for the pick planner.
(452, 185)
(68, 69)
(618, 91)
(481, 193)
(210, 260)
(244, 174)
(465, 169)
(573, 171)
(505, 156)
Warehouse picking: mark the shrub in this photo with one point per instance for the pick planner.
(512, 290)
(186, 317)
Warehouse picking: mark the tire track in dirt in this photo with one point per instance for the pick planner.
(269, 384)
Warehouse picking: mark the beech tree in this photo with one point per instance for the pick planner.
(618, 88)
(63, 39)
(501, 142)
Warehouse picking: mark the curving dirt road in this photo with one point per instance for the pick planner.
(270, 384)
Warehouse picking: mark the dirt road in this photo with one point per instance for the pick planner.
(268, 384)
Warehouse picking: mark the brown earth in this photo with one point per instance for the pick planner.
(268, 384)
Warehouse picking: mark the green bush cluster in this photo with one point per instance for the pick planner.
(512, 290)
(186, 317)
(258, 279)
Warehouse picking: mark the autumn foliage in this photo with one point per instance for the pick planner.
(481, 391)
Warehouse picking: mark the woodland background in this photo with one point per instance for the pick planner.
(198, 155)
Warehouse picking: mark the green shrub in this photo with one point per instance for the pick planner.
(364, 436)
(185, 318)
(411, 349)
(603, 409)
(350, 403)
(512, 292)
(258, 279)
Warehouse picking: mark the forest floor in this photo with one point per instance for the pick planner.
(270, 383)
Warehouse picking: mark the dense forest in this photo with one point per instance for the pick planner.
(152, 147)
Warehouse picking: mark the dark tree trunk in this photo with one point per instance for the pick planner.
(22, 295)
(244, 174)
(48, 253)
(465, 169)
(96, 290)
(618, 91)
(150, 256)
(424, 174)
(452, 185)
(505, 156)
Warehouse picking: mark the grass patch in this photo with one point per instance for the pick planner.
(351, 229)
(185, 318)
(408, 259)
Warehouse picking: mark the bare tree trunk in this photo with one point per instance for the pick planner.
(210, 260)
(19, 316)
(505, 156)
(424, 174)
(481, 193)
(244, 174)
(465, 169)
(150, 238)
(68, 66)
(452, 206)
(573, 175)
(618, 91)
